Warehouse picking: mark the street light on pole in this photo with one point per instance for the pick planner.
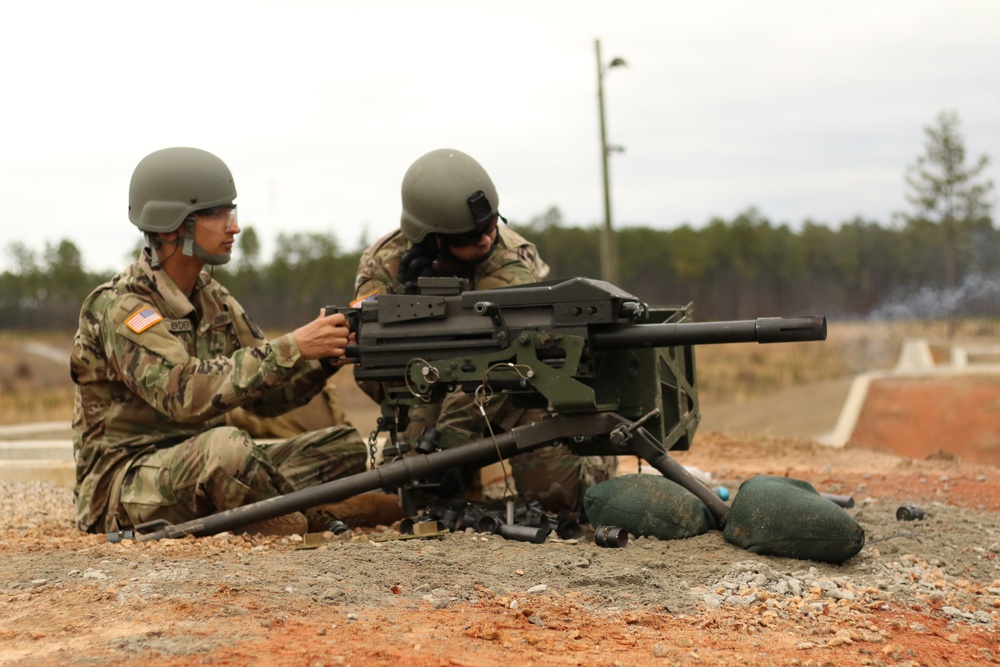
(609, 242)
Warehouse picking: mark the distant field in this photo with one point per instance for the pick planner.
(34, 388)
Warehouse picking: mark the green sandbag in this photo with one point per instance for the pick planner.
(647, 505)
(778, 516)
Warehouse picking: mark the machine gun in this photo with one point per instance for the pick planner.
(617, 376)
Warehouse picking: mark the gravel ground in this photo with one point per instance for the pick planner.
(910, 563)
(935, 580)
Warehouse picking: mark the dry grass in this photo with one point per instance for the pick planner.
(34, 388)
(732, 373)
(735, 372)
(36, 405)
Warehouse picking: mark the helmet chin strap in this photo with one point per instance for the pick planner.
(192, 248)
(154, 241)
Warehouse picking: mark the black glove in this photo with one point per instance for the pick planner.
(415, 263)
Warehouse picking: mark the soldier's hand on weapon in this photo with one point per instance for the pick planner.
(326, 336)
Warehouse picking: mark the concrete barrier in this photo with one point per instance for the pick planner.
(41, 460)
(915, 360)
(46, 470)
(23, 431)
(33, 450)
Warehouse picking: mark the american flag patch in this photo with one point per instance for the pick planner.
(143, 319)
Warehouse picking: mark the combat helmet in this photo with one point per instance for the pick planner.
(170, 184)
(446, 192)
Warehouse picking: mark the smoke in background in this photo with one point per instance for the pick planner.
(977, 296)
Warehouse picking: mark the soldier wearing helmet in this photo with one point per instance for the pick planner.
(170, 189)
(163, 352)
(449, 227)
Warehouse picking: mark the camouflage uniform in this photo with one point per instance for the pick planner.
(156, 372)
(553, 476)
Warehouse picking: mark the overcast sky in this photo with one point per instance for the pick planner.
(802, 109)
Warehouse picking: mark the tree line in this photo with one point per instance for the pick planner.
(937, 261)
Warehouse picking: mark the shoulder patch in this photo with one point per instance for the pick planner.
(361, 299)
(142, 319)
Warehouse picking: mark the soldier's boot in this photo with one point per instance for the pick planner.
(367, 509)
(287, 524)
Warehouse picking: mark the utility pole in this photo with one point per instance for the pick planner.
(609, 242)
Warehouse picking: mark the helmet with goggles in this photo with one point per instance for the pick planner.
(169, 185)
(447, 192)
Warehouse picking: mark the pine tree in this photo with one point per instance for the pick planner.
(948, 193)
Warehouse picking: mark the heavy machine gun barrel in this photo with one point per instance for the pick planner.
(761, 330)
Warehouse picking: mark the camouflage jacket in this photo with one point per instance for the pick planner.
(514, 261)
(154, 367)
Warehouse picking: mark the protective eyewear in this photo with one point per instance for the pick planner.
(466, 239)
(224, 214)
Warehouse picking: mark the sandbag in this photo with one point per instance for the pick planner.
(778, 516)
(647, 505)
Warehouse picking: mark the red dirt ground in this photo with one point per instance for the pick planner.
(918, 417)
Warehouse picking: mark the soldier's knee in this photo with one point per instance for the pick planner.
(228, 450)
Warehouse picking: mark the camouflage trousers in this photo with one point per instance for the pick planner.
(224, 468)
(554, 476)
